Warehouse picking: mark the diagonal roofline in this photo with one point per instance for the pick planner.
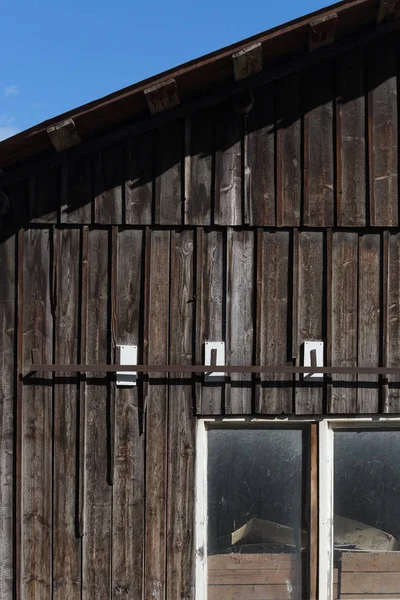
(193, 79)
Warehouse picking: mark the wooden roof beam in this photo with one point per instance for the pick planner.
(247, 61)
(322, 32)
(388, 9)
(64, 135)
(162, 96)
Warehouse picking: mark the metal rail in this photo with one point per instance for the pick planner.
(104, 368)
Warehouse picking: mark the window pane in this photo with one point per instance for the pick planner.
(366, 513)
(256, 525)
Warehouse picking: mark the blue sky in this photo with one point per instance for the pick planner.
(56, 56)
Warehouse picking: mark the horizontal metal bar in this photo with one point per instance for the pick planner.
(103, 368)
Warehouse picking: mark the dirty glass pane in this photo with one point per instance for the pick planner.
(257, 536)
(367, 513)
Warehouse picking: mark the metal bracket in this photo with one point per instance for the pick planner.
(313, 356)
(214, 354)
(127, 356)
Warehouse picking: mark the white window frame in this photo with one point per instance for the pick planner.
(327, 427)
(201, 507)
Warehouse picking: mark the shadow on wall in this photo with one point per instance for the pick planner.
(149, 180)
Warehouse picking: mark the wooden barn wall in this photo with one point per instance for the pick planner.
(263, 230)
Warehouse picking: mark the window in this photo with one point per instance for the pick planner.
(254, 498)
(359, 510)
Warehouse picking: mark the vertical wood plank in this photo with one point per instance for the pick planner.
(18, 549)
(310, 314)
(168, 177)
(393, 345)
(97, 539)
(210, 311)
(273, 322)
(82, 353)
(37, 422)
(383, 134)
(228, 209)
(239, 318)
(181, 424)
(128, 489)
(108, 185)
(156, 417)
(80, 191)
(288, 151)
(368, 321)
(384, 336)
(350, 136)
(139, 170)
(7, 386)
(318, 147)
(66, 545)
(199, 147)
(260, 158)
(344, 319)
(45, 196)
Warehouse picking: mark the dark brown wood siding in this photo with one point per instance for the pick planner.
(262, 230)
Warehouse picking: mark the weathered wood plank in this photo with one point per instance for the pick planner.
(228, 209)
(239, 318)
(37, 422)
(370, 583)
(97, 539)
(393, 344)
(251, 561)
(260, 159)
(45, 196)
(368, 321)
(318, 147)
(288, 151)
(382, 131)
(139, 171)
(79, 193)
(252, 592)
(370, 561)
(181, 424)
(169, 149)
(199, 147)
(156, 417)
(310, 314)
(273, 322)
(250, 577)
(66, 545)
(350, 140)
(7, 362)
(210, 301)
(128, 489)
(344, 319)
(108, 186)
(82, 352)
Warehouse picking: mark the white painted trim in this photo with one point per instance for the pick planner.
(325, 469)
(327, 429)
(201, 511)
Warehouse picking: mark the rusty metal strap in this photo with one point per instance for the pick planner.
(104, 368)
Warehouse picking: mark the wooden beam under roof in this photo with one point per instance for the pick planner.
(162, 96)
(64, 135)
(247, 61)
(388, 9)
(322, 32)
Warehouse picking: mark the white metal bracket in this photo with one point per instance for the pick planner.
(313, 356)
(214, 354)
(127, 356)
